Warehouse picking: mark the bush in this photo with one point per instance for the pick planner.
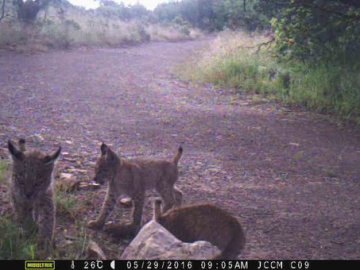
(12, 33)
(234, 61)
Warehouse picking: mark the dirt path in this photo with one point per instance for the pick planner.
(292, 178)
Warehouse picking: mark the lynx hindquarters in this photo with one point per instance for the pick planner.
(133, 178)
(204, 222)
(32, 191)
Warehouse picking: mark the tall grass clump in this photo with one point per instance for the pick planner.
(13, 244)
(327, 87)
(67, 204)
(234, 60)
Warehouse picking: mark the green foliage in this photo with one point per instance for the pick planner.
(321, 87)
(318, 29)
(3, 170)
(327, 88)
(13, 244)
(214, 14)
(111, 9)
(62, 25)
(67, 204)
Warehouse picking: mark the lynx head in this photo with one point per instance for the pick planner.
(106, 165)
(32, 171)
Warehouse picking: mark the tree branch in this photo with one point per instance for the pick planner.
(2, 10)
(257, 46)
(267, 43)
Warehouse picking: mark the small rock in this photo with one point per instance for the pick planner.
(69, 159)
(66, 175)
(294, 144)
(94, 251)
(74, 170)
(89, 185)
(127, 202)
(37, 138)
(68, 242)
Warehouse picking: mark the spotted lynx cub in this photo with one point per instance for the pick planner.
(32, 190)
(133, 178)
(203, 222)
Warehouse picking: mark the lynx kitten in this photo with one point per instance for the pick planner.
(32, 190)
(204, 222)
(133, 177)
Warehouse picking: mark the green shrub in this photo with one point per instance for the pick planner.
(233, 61)
(12, 33)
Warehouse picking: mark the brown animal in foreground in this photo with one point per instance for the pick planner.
(204, 222)
(133, 178)
(32, 191)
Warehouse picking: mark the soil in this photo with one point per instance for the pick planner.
(291, 177)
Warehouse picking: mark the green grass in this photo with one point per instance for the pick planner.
(3, 171)
(13, 244)
(67, 204)
(232, 61)
(333, 88)
(77, 249)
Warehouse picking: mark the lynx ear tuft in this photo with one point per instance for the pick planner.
(52, 158)
(104, 148)
(15, 153)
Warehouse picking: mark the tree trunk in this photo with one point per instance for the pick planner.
(2, 10)
(27, 11)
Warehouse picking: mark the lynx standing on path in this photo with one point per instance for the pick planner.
(32, 191)
(204, 222)
(133, 178)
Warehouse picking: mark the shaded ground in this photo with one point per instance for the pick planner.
(292, 178)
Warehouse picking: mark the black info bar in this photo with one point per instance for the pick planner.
(179, 264)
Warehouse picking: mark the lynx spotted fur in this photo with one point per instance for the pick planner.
(32, 191)
(133, 178)
(204, 222)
